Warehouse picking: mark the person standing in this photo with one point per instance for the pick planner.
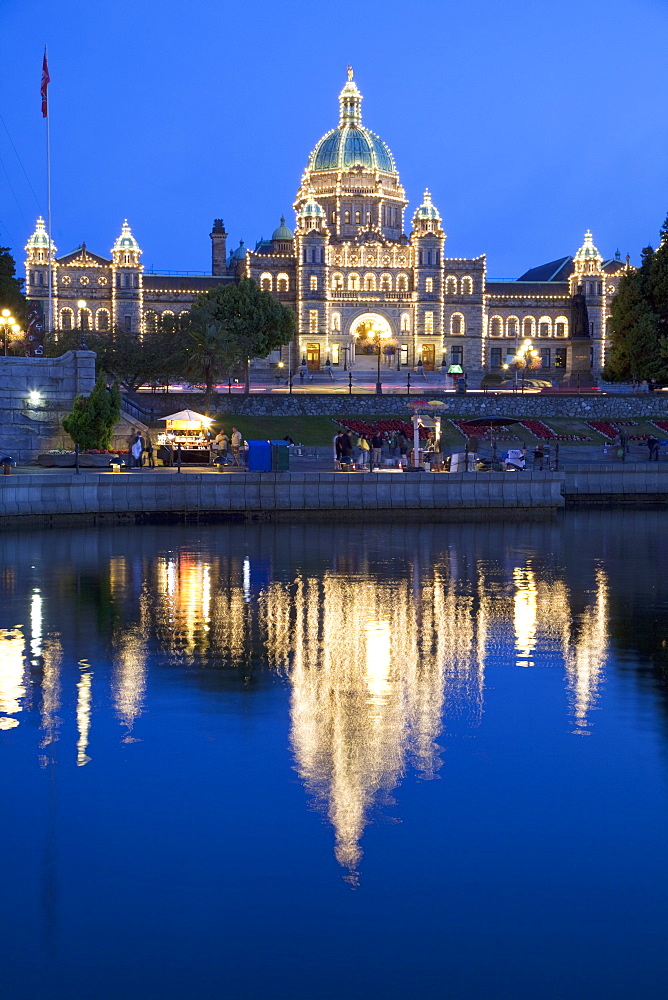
(336, 445)
(365, 448)
(237, 440)
(653, 445)
(137, 451)
(376, 450)
(150, 462)
(346, 449)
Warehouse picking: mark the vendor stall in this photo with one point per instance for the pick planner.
(189, 432)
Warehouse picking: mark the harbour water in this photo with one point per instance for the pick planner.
(259, 761)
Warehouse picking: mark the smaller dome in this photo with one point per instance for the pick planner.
(312, 209)
(283, 233)
(126, 240)
(240, 251)
(587, 251)
(40, 238)
(427, 210)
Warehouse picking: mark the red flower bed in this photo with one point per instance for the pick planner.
(605, 428)
(661, 425)
(545, 433)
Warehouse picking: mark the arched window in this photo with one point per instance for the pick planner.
(266, 282)
(282, 283)
(358, 218)
(386, 282)
(457, 324)
(369, 282)
(102, 319)
(451, 285)
(337, 281)
(561, 326)
(346, 216)
(512, 326)
(402, 283)
(183, 313)
(545, 326)
(353, 282)
(336, 322)
(467, 286)
(495, 326)
(528, 324)
(85, 319)
(167, 314)
(66, 318)
(429, 285)
(313, 283)
(405, 323)
(313, 321)
(429, 323)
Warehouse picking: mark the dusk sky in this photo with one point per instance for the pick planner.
(528, 122)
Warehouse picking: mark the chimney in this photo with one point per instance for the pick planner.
(218, 248)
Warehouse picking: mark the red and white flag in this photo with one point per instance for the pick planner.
(46, 80)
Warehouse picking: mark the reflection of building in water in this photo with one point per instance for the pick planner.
(84, 701)
(585, 658)
(12, 680)
(370, 663)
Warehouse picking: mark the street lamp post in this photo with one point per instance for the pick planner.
(379, 335)
(7, 322)
(526, 357)
(81, 304)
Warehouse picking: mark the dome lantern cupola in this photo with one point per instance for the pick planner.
(350, 102)
(126, 250)
(427, 210)
(588, 260)
(37, 246)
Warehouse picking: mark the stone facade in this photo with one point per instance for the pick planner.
(358, 281)
(35, 394)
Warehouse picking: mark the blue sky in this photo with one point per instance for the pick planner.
(528, 122)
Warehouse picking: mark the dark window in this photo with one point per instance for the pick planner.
(40, 277)
(358, 218)
(560, 357)
(600, 288)
(495, 357)
(438, 256)
(419, 257)
(118, 281)
(457, 356)
(428, 256)
(545, 357)
(136, 281)
(32, 277)
(346, 216)
(128, 324)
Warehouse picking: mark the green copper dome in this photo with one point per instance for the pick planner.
(283, 233)
(351, 144)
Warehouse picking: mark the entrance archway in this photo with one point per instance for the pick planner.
(366, 331)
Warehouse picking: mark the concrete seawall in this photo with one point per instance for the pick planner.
(47, 498)
(56, 497)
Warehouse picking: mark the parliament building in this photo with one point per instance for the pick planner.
(356, 275)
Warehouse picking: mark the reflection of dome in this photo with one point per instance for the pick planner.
(283, 233)
(351, 144)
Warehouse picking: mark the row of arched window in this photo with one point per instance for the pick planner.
(544, 327)
(282, 282)
(151, 318)
(457, 323)
(370, 282)
(463, 287)
(84, 319)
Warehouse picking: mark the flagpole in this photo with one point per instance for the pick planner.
(48, 208)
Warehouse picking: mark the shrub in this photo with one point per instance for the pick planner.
(91, 423)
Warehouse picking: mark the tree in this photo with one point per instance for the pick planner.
(639, 320)
(11, 295)
(239, 322)
(91, 423)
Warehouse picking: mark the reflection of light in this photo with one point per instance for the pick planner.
(84, 698)
(378, 659)
(247, 580)
(525, 615)
(129, 682)
(36, 624)
(12, 687)
(51, 659)
(585, 665)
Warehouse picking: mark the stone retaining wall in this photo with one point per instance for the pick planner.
(507, 404)
(26, 427)
(44, 497)
(607, 482)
